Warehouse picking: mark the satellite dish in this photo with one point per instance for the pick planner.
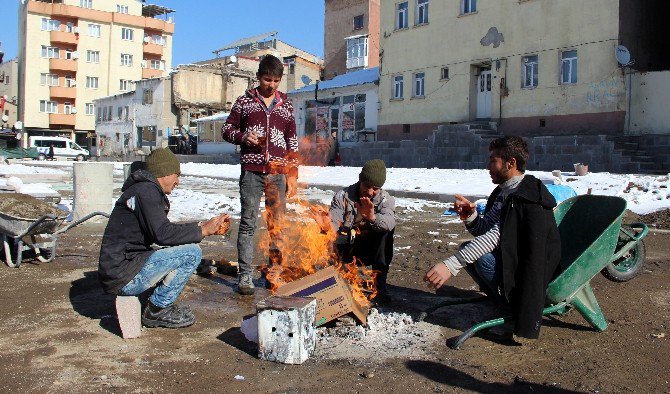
(233, 59)
(18, 136)
(18, 125)
(5, 118)
(306, 80)
(622, 55)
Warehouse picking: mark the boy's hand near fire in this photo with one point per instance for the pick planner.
(321, 216)
(218, 225)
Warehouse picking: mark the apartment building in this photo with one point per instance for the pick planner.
(8, 93)
(72, 52)
(351, 36)
(534, 67)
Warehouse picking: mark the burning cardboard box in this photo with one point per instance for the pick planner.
(334, 297)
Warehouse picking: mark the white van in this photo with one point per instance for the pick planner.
(63, 147)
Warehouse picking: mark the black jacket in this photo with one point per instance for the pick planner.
(138, 220)
(530, 246)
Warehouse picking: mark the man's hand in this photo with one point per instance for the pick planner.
(216, 225)
(366, 209)
(321, 216)
(437, 275)
(463, 206)
(291, 186)
(250, 139)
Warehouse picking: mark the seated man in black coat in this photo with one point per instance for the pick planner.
(517, 245)
(128, 263)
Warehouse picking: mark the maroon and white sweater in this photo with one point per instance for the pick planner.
(278, 154)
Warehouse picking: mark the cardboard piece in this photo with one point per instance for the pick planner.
(333, 295)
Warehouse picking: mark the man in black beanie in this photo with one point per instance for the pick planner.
(129, 265)
(364, 217)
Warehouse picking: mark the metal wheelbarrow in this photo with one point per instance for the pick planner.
(41, 235)
(592, 240)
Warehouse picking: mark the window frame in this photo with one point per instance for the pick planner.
(90, 81)
(127, 34)
(573, 65)
(49, 52)
(419, 81)
(122, 9)
(86, 4)
(92, 27)
(421, 4)
(49, 24)
(147, 96)
(127, 59)
(47, 79)
(359, 44)
(405, 15)
(94, 55)
(360, 18)
(124, 85)
(48, 106)
(398, 87)
(534, 67)
(89, 109)
(468, 7)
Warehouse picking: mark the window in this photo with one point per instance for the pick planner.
(126, 59)
(569, 67)
(67, 108)
(147, 96)
(126, 34)
(86, 3)
(93, 30)
(104, 114)
(529, 77)
(290, 66)
(157, 64)
(419, 84)
(359, 21)
(50, 107)
(93, 56)
(124, 85)
(90, 109)
(397, 87)
(123, 9)
(156, 39)
(468, 6)
(70, 82)
(126, 108)
(70, 54)
(444, 73)
(109, 112)
(70, 27)
(401, 15)
(50, 24)
(50, 52)
(92, 82)
(49, 79)
(421, 12)
(357, 52)
(119, 113)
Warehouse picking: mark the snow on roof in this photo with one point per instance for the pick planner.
(247, 41)
(216, 117)
(360, 77)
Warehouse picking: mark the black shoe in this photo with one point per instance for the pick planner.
(173, 316)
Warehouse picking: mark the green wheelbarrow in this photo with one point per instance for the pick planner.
(592, 241)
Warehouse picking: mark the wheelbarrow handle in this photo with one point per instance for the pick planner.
(634, 239)
(80, 221)
(37, 223)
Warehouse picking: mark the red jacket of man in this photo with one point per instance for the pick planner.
(278, 153)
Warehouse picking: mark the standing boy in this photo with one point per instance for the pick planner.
(262, 123)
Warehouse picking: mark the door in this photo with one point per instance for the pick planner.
(484, 96)
(334, 124)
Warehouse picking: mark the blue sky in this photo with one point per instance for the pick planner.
(202, 26)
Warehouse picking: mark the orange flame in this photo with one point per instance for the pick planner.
(305, 249)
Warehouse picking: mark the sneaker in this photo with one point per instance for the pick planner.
(245, 284)
(173, 316)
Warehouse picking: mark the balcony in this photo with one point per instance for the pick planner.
(63, 65)
(62, 119)
(62, 92)
(153, 49)
(63, 37)
(151, 73)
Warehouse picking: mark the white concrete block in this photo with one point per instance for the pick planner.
(129, 313)
(286, 331)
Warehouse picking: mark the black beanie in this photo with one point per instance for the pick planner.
(373, 173)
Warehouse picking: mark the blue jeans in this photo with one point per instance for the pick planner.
(173, 265)
(487, 272)
(252, 187)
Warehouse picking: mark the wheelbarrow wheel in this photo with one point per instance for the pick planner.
(629, 265)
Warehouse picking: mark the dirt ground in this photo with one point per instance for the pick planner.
(59, 332)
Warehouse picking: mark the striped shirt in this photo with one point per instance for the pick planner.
(486, 230)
